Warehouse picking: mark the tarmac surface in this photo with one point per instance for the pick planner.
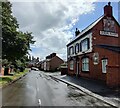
(93, 87)
(39, 89)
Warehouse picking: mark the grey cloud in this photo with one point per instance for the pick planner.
(49, 22)
(24, 13)
(47, 17)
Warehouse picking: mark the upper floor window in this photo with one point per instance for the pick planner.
(71, 50)
(68, 51)
(85, 64)
(84, 44)
(77, 48)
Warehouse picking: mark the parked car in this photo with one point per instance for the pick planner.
(34, 68)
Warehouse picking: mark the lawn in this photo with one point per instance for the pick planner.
(6, 79)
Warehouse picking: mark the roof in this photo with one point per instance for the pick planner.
(110, 47)
(86, 29)
(47, 60)
(58, 58)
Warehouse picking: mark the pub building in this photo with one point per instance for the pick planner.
(95, 51)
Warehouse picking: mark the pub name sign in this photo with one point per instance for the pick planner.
(109, 28)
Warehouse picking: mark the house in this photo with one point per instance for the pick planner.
(52, 62)
(63, 68)
(42, 65)
(95, 51)
(34, 62)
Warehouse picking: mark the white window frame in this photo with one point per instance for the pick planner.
(71, 50)
(77, 48)
(85, 64)
(71, 65)
(104, 64)
(84, 45)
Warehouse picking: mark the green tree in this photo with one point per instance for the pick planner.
(15, 44)
(9, 30)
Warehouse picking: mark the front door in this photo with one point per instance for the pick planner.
(77, 68)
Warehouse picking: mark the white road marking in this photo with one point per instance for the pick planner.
(37, 90)
(39, 101)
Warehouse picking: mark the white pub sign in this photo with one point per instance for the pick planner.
(108, 33)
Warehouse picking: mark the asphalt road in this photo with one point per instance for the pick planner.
(38, 89)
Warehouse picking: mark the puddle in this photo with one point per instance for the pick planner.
(54, 79)
(73, 92)
(40, 75)
(70, 86)
(92, 100)
(55, 88)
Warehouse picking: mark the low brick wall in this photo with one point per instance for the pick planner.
(63, 71)
(2, 71)
(113, 76)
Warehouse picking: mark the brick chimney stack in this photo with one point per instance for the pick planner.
(77, 32)
(108, 10)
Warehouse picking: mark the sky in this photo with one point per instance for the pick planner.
(53, 22)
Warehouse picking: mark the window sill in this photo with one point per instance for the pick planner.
(71, 69)
(103, 73)
(85, 71)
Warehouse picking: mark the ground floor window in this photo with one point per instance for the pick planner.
(71, 65)
(104, 64)
(85, 64)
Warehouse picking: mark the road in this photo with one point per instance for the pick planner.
(38, 89)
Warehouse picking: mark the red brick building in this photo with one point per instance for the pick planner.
(95, 51)
(52, 62)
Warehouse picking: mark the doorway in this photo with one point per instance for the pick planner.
(78, 69)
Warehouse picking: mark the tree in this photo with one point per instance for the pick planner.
(15, 44)
(9, 30)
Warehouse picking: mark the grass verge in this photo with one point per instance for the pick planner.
(4, 80)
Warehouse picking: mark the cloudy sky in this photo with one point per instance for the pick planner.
(53, 22)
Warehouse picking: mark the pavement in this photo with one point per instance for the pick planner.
(94, 88)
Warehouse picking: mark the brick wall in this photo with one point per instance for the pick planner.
(113, 59)
(113, 76)
(99, 39)
(55, 62)
(2, 71)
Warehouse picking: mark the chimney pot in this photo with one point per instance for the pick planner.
(109, 3)
(77, 32)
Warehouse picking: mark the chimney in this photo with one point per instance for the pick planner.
(53, 54)
(77, 32)
(108, 10)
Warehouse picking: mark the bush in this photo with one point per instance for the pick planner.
(6, 71)
(22, 69)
